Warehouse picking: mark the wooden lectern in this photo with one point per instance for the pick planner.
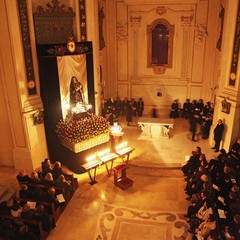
(120, 178)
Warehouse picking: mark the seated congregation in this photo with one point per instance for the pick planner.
(213, 190)
(38, 204)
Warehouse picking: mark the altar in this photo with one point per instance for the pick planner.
(155, 127)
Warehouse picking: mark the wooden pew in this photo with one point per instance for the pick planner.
(38, 224)
(59, 190)
(54, 211)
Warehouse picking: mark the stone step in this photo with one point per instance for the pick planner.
(155, 171)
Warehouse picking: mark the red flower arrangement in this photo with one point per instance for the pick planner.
(77, 130)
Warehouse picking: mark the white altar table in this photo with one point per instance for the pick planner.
(155, 127)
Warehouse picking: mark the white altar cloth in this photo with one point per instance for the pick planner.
(155, 127)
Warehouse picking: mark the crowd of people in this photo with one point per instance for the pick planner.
(113, 109)
(41, 187)
(213, 187)
(200, 116)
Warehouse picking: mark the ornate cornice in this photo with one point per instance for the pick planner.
(54, 9)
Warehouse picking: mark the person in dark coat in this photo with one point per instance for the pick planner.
(218, 131)
(174, 110)
(206, 126)
(46, 220)
(129, 113)
(186, 108)
(235, 149)
(22, 177)
(25, 234)
(193, 125)
(140, 107)
(191, 165)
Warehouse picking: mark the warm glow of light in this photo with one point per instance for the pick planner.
(95, 204)
(91, 158)
(121, 146)
(74, 110)
(89, 106)
(104, 152)
(65, 105)
(103, 196)
(116, 128)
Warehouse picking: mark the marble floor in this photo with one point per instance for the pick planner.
(151, 209)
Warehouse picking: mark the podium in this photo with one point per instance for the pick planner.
(91, 166)
(120, 176)
(125, 152)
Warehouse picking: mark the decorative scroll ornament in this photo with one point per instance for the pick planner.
(71, 46)
(53, 22)
(201, 32)
(186, 20)
(54, 8)
(122, 31)
(161, 10)
(135, 21)
(159, 69)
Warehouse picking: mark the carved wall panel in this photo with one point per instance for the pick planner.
(195, 92)
(122, 90)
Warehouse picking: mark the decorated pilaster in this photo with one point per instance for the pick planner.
(228, 97)
(21, 87)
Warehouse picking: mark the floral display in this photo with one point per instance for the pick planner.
(73, 130)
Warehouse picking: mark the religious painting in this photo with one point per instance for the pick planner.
(226, 106)
(73, 83)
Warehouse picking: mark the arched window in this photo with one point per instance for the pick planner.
(160, 43)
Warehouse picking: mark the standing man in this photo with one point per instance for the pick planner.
(218, 131)
(193, 125)
(140, 107)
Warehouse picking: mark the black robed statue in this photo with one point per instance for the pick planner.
(76, 92)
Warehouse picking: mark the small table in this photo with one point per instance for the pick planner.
(124, 152)
(109, 158)
(155, 127)
(92, 165)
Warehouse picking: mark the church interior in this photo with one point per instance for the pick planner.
(65, 65)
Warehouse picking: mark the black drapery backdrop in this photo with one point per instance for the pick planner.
(50, 94)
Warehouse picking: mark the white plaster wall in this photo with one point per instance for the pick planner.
(191, 59)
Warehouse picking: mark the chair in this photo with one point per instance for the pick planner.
(120, 178)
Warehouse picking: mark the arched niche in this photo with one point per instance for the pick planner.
(160, 43)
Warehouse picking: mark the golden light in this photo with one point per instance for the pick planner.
(89, 106)
(121, 146)
(116, 128)
(103, 196)
(103, 153)
(92, 157)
